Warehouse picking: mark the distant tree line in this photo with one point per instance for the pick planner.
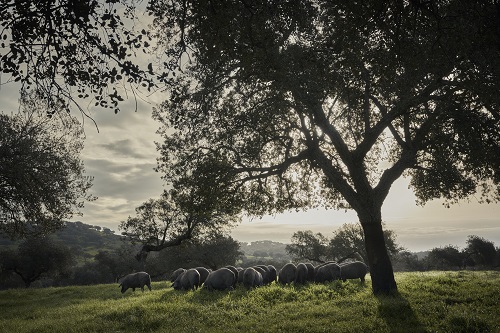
(348, 243)
(479, 253)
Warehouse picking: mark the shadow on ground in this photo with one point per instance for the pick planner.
(398, 314)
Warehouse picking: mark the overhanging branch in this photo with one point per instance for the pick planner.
(274, 170)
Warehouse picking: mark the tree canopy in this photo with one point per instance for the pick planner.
(174, 217)
(215, 250)
(481, 251)
(447, 257)
(306, 245)
(42, 179)
(330, 102)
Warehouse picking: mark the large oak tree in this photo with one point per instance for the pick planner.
(330, 102)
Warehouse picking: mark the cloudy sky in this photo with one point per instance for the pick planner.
(122, 154)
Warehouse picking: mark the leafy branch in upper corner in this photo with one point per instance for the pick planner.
(70, 50)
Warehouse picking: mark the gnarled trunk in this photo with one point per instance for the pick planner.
(381, 271)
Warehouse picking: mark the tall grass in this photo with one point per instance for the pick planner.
(426, 302)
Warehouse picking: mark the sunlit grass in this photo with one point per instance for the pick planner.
(427, 302)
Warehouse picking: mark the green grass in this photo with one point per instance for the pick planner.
(427, 302)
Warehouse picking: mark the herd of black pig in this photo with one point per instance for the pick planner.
(227, 278)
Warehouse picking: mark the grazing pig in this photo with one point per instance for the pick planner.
(287, 274)
(273, 274)
(328, 272)
(221, 279)
(204, 272)
(176, 274)
(323, 264)
(190, 279)
(310, 272)
(353, 270)
(252, 278)
(240, 275)
(235, 272)
(300, 274)
(135, 280)
(232, 269)
(263, 272)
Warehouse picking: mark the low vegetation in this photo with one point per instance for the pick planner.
(464, 301)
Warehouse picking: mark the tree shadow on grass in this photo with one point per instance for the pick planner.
(398, 314)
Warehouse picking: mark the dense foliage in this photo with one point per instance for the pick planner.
(213, 252)
(36, 258)
(481, 251)
(69, 50)
(479, 254)
(308, 246)
(100, 256)
(42, 179)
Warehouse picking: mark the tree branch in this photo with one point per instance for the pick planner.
(278, 169)
(402, 107)
(173, 242)
(383, 110)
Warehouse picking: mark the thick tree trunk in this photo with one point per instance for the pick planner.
(381, 272)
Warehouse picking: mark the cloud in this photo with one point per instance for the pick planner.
(121, 158)
(131, 180)
(124, 148)
(120, 188)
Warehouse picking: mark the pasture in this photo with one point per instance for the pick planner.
(464, 301)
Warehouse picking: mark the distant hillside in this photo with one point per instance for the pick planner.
(421, 254)
(84, 240)
(264, 248)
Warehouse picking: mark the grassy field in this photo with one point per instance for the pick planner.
(427, 302)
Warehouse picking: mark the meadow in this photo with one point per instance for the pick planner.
(465, 301)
